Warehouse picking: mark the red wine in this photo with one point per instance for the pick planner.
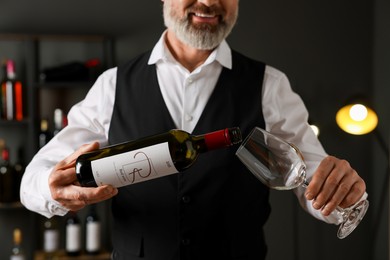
(11, 94)
(149, 157)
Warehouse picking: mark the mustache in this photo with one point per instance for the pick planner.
(209, 10)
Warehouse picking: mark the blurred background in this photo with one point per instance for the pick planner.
(331, 51)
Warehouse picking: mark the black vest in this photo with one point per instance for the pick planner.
(214, 210)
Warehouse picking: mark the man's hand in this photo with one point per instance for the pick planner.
(65, 188)
(335, 183)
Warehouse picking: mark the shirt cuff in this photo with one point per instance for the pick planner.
(53, 206)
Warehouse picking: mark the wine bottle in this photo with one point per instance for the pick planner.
(18, 168)
(58, 121)
(73, 235)
(17, 251)
(44, 135)
(3, 97)
(92, 232)
(7, 194)
(17, 98)
(149, 157)
(51, 238)
(12, 94)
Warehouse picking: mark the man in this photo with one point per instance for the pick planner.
(216, 209)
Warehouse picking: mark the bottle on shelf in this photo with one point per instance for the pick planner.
(59, 121)
(44, 135)
(92, 232)
(19, 167)
(11, 94)
(51, 238)
(73, 234)
(71, 71)
(7, 177)
(17, 250)
(149, 157)
(3, 96)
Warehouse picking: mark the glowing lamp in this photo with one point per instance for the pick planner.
(356, 119)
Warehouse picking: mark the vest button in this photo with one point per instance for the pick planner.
(186, 199)
(185, 241)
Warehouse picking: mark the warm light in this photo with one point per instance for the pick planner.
(356, 119)
(358, 112)
(315, 129)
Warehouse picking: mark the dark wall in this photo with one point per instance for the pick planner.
(328, 50)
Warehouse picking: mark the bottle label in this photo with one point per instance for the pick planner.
(92, 236)
(9, 100)
(134, 166)
(73, 237)
(51, 240)
(17, 257)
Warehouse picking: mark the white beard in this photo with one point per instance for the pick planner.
(205, 37)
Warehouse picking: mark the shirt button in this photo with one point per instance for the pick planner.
(190, 80)
(186, 241)
(188, 118)
(186, 199)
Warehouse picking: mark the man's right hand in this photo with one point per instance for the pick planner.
(65, 188)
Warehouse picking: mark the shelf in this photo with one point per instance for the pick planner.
(11, 205)
(23, 122)
(63, 256)
(33, 53)
(55, 37)
(64, 84)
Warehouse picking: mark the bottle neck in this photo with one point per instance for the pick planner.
(222, 138)
(10, 70)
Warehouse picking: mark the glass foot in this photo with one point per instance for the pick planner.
(352, 217)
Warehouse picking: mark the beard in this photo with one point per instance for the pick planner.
(199, 36)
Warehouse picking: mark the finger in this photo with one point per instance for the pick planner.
(76, 198)
(319, 177)
(356, 192)
(335, 187)
(71, 159)
(349, 188)
(62, 177)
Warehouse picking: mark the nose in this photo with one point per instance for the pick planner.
(209, 2)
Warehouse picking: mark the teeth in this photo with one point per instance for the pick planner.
(204, 15)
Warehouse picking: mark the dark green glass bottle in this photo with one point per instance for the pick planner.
(149, 157)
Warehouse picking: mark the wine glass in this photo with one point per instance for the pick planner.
(280, 165)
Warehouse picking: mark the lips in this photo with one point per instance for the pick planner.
(208, 18)
(204, 15)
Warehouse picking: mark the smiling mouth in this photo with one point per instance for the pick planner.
(208, 18)
(202, 15)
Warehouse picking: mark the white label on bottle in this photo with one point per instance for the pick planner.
(73, 237)
(51, 240)
(9, 100)
(17, 257)
(134, 166)
(92, 236)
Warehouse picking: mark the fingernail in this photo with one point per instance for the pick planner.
(309, 196)
(325, 211)
(109, 189)
(316, 205)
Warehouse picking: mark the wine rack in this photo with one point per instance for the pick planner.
(32, 53)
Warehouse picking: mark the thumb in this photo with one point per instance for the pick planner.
(71, 159)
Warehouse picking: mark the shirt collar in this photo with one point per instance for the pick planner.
(222, 54)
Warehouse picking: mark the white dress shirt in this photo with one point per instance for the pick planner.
(185, 94)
